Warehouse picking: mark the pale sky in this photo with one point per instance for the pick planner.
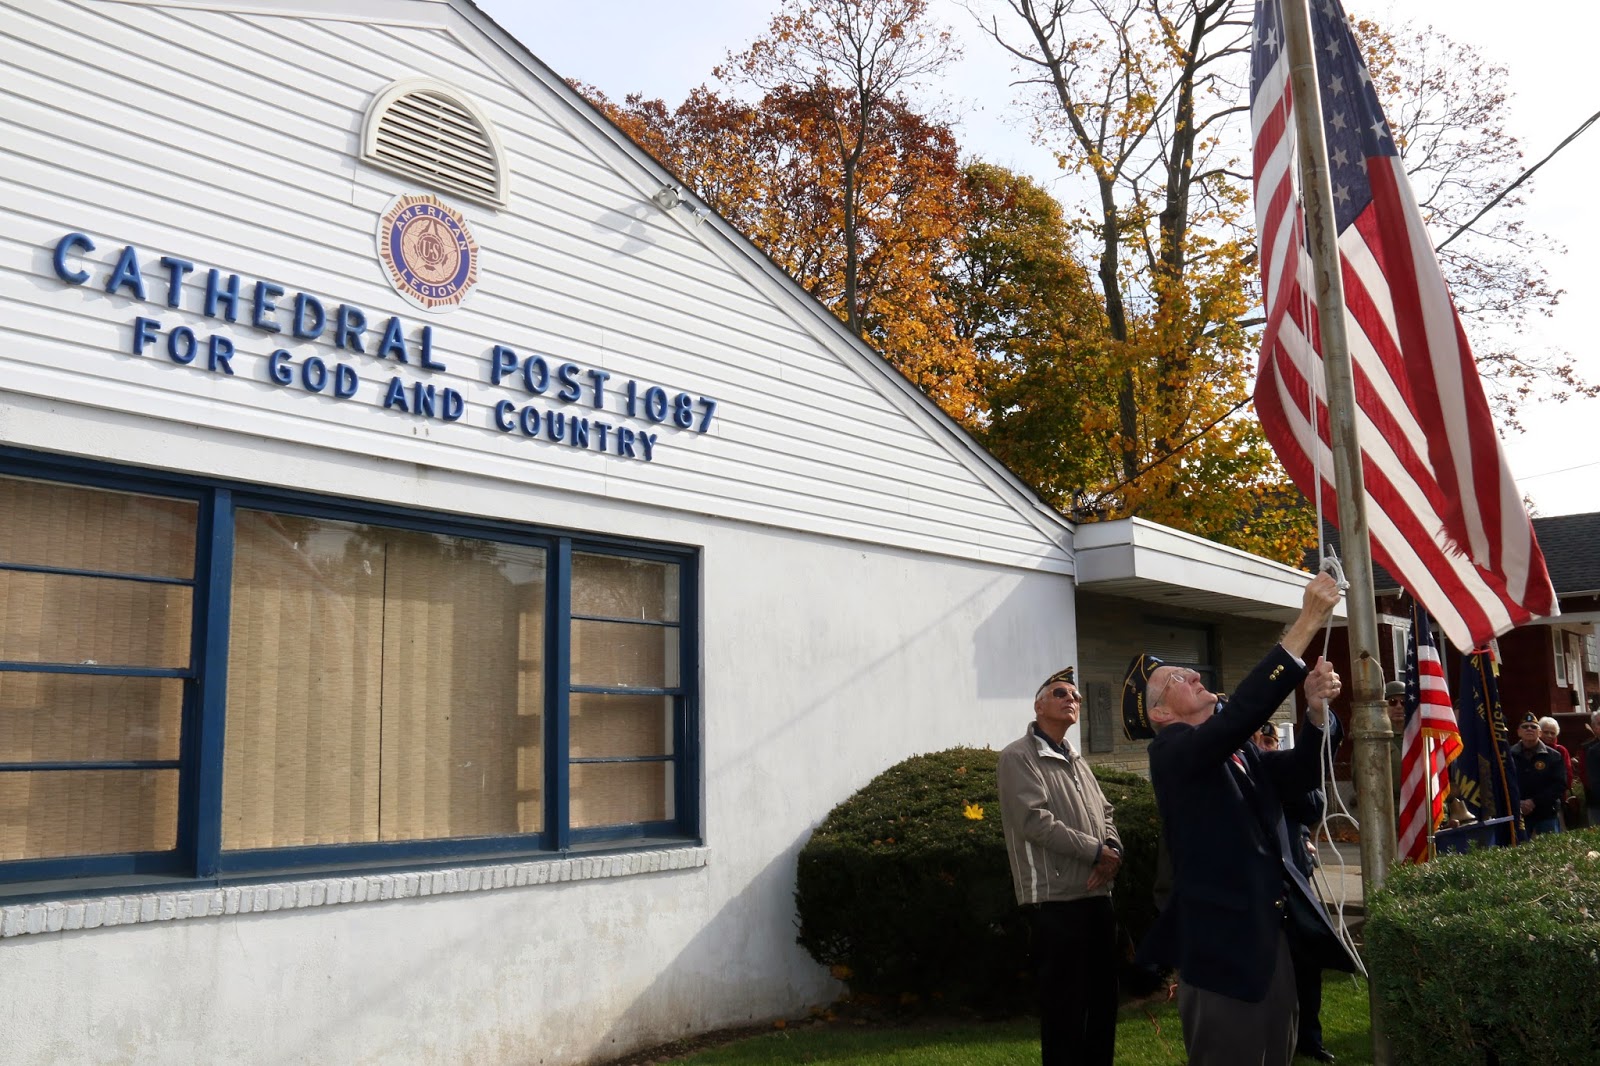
(665, 49)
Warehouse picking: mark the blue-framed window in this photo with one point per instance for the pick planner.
(203, 680)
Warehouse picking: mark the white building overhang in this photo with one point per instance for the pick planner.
(1179, 572)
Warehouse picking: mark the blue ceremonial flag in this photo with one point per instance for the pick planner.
(1483, 776)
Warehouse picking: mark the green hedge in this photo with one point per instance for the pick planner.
(905, 890)
(1496, 951)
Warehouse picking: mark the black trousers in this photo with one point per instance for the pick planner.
(1075, 965)
(1308, 990)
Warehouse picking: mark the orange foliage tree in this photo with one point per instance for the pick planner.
(835, 176)
(1120, 401)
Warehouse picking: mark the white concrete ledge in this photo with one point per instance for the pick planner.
(54, 916)
(1182, 572)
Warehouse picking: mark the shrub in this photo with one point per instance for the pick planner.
(905, 890)
(1494, 951)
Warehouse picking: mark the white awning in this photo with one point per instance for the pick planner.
(1141, 560)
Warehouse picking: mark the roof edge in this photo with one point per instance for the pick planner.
(814, 317)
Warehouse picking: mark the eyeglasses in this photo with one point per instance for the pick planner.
(1065, 694)
(1155, 701)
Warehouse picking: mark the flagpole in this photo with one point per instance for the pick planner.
(1427, 750)
(1369, 724)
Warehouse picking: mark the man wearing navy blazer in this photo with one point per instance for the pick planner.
(1237, 896)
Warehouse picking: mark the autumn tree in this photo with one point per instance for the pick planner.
(852, 61)
(1050, 377)
(835, 176)
(1027, 305)
(1145, 99)
(878, 224)
(1138, 96)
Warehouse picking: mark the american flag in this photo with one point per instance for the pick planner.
(1431, 742)
(1445, 516)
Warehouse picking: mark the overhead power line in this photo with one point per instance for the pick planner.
(1563, 470)
(1525, 175)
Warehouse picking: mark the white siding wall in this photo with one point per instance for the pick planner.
(872, 589)
(229, 140)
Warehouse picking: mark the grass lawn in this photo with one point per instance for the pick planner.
(1146, 1036)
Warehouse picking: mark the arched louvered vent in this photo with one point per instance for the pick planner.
(427, 131)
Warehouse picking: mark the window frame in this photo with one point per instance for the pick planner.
(198, 856)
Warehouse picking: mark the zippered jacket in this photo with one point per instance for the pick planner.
(1056, 820)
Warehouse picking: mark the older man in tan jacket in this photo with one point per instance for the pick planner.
(1064, 853)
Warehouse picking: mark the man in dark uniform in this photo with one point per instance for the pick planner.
(1236, 892)
(1541, 779)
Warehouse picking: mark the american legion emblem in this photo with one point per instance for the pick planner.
(427, 251)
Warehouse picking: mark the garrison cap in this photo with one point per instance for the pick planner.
(1060, 675)
(1135, 715)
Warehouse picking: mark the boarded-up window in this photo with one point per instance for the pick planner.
(383, 684)
(392, 684)
(625, 634)
(96, 595)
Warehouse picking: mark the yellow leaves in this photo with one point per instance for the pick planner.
(972, 812)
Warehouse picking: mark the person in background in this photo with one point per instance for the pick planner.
(1064, 852)
(1394, 705)
(1541, 779)
(1550, 737)
(1267, 738)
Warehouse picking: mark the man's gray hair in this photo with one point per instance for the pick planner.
(1549, 723)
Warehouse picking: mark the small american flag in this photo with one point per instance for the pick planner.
(1431, 743)
(1445, 516)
